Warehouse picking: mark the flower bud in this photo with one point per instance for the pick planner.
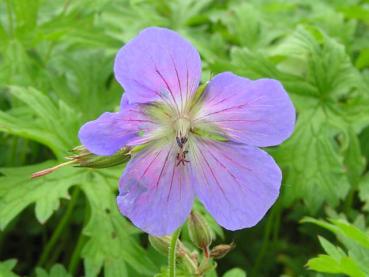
(84, 158)
(161, 244)
(221, 250)
(199, 231)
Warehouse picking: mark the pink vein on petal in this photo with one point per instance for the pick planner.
(147, 168)
(171, 181)
(212, 173)
(178, 80)
(162, 169)
(167, 85)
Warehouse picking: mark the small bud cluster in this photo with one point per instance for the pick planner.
(201, 237)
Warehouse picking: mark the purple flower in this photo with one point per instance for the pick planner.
(192, 144)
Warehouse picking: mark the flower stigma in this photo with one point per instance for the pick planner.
(183, 127)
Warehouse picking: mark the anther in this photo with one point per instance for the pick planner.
(179, 142)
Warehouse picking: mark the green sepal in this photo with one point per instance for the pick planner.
(84, 158)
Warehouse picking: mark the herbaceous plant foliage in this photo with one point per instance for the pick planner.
(240, 127)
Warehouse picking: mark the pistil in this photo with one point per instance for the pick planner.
(182, 126)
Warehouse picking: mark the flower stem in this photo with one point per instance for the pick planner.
(10, 17)
(82, 239)
(265, 244)
(349, 200)
(60, 228)
(172, 253)
(76, 256)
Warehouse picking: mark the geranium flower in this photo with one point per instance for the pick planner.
(193, 143)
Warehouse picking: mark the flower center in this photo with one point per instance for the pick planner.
(182, 127)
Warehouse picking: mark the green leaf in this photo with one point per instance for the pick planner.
(363, 60)
(327, 264)
(56, 270)
(21, 121)
(337, 261)
(353, 158)
(112, 241)
(26, 13)
(352, 232)
(343, 228)
(87, 92)
(248, 26)
(323, 62)
(6, 268)
(235, 272)
(364, 191)
(364, 142)
(18, 190)
(356, 12)
(110, 244)
(330, 249)
(314, 167)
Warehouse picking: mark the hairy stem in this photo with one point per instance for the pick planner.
(172, 253)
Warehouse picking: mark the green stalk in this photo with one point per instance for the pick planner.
(54, 255)
(10, 17)
(349, 200)
(59, 228)
(172, 253)
(82, 239)
(277, 221)
(74, 261)
(264, 247)
(65, 7)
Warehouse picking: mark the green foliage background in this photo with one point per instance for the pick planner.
(56, 73)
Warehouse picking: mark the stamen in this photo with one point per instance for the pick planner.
(182, 126)
(181, 156)
(179, 142)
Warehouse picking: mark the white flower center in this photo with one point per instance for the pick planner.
(182, 126)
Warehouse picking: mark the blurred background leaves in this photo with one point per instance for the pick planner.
(56, 62)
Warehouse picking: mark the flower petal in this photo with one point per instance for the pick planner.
(155, 194)
(236, 183)
(124, 104)
(112, 131)
(158, 64)
(256, 112)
